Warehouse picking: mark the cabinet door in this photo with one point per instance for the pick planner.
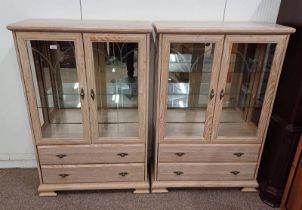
(55, 81)
(117, 81)
(249, 74)
(189, 69)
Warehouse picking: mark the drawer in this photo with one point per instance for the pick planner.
(208, 153)
(86, 154)
(206, 171)
(92, 173)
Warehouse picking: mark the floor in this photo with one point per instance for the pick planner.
(19, 191)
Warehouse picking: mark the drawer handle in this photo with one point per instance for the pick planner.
(82, 94)
(178, 173)
(179, 154)
(238, 154)
(92, 95)
(63, 175)
(61, 156)
(123, 173)
(122, 154)
(212, 94)
(235, 172)
(221, 94)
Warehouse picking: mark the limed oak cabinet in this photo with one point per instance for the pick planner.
(86, 86)
(216, 84)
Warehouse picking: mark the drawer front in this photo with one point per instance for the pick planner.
(208, 153)
(86, 154)
(205, 171)
(92, 173)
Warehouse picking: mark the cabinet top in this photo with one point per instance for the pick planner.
(60, 25)
(221, 27)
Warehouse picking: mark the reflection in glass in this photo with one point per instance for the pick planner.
(116, 88)
(56, 87)
(190, 68)
(247, 79)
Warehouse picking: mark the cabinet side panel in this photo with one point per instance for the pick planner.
(156, 102)
(27, 105)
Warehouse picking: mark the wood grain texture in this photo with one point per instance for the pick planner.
(86, 154)
(141, 185)
(283, 47)
(216, 183)
(53, 174)
(142, 82)
(205, 171)
(157, 102)
(27, 105)
(208, 153)
(290, 187)
(164, 71)
(249, 189)
(270, 89)
(22, 37)
(48, 194)
(96, 26)
(195, 27)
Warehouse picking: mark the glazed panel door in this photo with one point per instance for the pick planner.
(117, 80)
(54, 77)
(249, 75)
(189, 72)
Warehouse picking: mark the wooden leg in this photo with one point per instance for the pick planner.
(47, 194)
(141, 191)
(159, 190)
(249, 189)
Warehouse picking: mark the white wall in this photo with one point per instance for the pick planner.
(16, 147)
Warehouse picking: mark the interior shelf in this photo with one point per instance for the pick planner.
(67, 123)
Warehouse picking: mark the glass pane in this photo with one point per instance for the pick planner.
(56, 87)
(116, 71)
(190, 68)
(247, 79)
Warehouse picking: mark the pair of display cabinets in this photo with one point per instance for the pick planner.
(87, 90)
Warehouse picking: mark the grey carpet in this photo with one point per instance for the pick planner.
(18, 190)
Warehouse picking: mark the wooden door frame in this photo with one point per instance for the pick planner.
(167, 39)
(281, 42)
(22, 38)
(141, 39)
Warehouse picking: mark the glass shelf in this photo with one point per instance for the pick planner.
(246, 86)
(116, 71)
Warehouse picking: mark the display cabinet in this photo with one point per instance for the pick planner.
(215, 90)
(86, 85)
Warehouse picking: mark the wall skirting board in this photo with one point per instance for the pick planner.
(26, 160)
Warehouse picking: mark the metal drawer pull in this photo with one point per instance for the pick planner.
(61, 156)
(92, 94)
(82, 94)
(212, 94)
(235, 172)
(123, 173)
(178, 173)
(179, 154)
(122, 154)
(63, 175)
(238, 154)
(221, 94)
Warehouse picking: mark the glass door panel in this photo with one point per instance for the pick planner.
(56, 88)
(189, 84)
(246, 83)
(116, 83)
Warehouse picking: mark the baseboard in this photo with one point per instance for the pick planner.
(18, 164)
(18, 160)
